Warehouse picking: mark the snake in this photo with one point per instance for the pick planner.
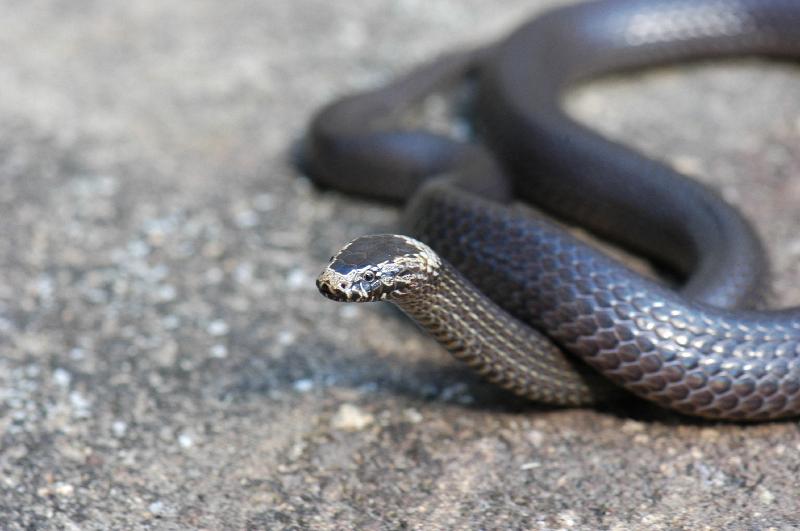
(486, 263)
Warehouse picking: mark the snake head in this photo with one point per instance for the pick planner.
(379, 267)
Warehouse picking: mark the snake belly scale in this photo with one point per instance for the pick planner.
(561, 312)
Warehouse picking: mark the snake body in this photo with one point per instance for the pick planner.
(700, 351)
(468, 324)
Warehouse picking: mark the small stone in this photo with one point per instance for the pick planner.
(244, 273)
(296, 451)
(218, 328)
(631, 426)
(185, 440)
(246, 219)
(303, 385)
(167, 293)
(6, 325)
(119, 428)
(413, 416)
(535, 437)
(62, 377)
(138, 249)
(171, 322)
(709, 434)
(219, 351)
(296, 278)
(351, 418)
(568, 518)
(652, 519)
(80, 404)
(156, 508)
(64, 489)
(285, 337)
(765, 495)
(45, 287)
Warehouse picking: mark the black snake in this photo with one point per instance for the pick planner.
(703, 350)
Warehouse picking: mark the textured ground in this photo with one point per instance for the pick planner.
(166, 363)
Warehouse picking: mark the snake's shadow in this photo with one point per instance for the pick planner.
(484, 396)
(481, 395)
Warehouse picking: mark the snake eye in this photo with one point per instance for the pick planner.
(369, 276)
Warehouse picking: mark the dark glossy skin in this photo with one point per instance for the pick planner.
(679, 350)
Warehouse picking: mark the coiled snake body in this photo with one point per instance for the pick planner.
(555, 300)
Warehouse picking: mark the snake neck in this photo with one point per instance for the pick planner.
(478, 332)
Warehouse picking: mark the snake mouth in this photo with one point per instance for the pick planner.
(336, 288)
(325, 289)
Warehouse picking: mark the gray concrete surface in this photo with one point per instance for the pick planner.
(166, 363)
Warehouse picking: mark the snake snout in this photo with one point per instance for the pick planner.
(332, 287)
(325, 289)
(337, 287)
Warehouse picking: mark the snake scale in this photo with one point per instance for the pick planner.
(511, 292)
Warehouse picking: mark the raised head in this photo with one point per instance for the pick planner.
(379, 267)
